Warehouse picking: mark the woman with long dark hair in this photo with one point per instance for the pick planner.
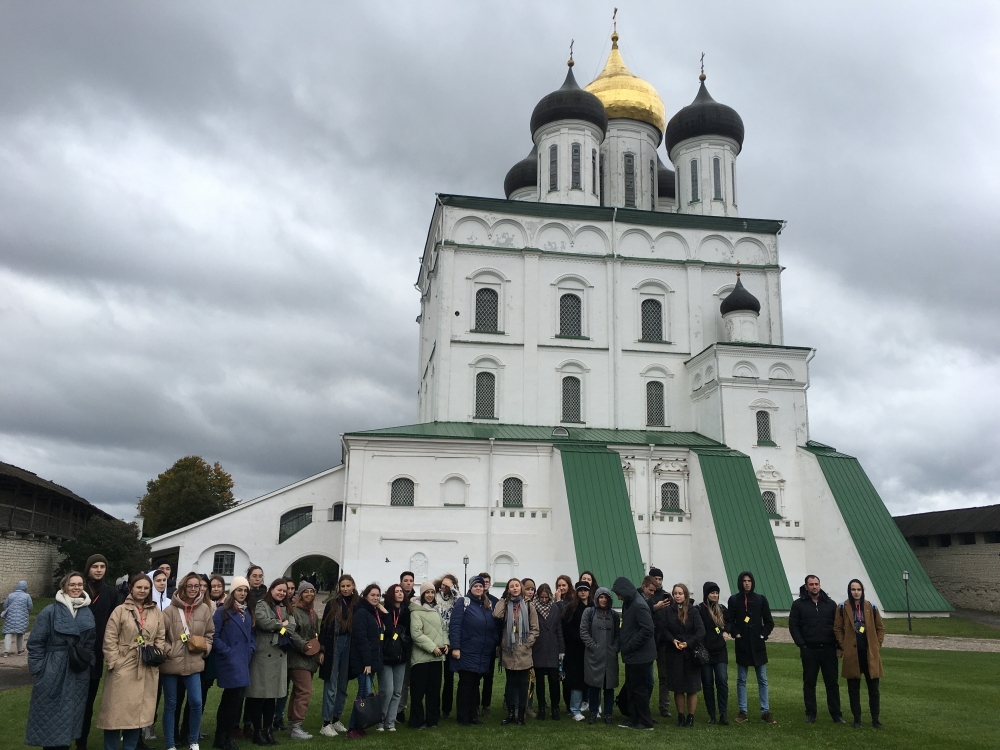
(518, 633)
(366, 651)
(574, 683)
(859, 631)
(430, 646)
(395, 641)
(268, 667)
(335, 653)
(233, 649)
(715, 674)
(682, 629)
(546, 650)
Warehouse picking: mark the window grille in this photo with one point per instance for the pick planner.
(576, 166)
(670, 497)
(401, 492)
(293, 522)
(652, 186)
(770, 502)
(694, 180)
(763, 427)
(629, 181)
(486, 388)
(732, 168)
(553, 168)
(652, 320)
(601, 177)
(570, 315)
(655, 412)
(224, 563)
(338, 512)
(487, 310)
(593, 171)
(717, 178)
(513, 493)
(571, 399)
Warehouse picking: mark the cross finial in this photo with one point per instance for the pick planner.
(570, 63)
(614, 20)
(737, 269)
(702, 76)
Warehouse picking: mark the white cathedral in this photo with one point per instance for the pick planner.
(603, 384)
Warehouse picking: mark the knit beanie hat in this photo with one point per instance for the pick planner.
(304, 586)
(94, 559)
(708, 588)
(424, 588)
(237, 582)
(656, 572)
(477, 579)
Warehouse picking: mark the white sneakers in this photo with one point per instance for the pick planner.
(328, 731)
(578, 717)
(338, 727)
(295, 732)
(194, 746)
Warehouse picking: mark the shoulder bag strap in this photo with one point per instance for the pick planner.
(184, 622)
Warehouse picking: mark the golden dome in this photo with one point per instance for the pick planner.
(624, 94)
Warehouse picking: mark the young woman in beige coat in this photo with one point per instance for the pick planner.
(519, 631)
(859, 631)
(128, 701)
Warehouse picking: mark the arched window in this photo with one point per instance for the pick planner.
(576, 168)
(454, 491)
(513, 493)
(694, 181)
(293, 522)
(487, 310)
(401, 492)
(223, 563)
(764, 428)
(570, 315)
(652, 186)
(770, 502)
(571, 399)
(655, 411)
(670, 497)
(629, 181)
(338, 512)
(717, 178)
(486, 390)
(503, 569)
(553, 168)
(652, 320)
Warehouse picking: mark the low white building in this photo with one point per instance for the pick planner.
(603, 383)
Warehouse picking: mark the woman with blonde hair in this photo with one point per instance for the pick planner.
(681, 629)
(517, 635)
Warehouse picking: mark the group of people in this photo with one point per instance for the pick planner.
(262, 644)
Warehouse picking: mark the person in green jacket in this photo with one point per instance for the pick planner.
(430, 645)
(303, 659)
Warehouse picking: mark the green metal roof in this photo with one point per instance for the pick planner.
(879, 542)
(540, 433)
(625, 215)
(741, 524)
(600, 514)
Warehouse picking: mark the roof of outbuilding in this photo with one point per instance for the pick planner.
(958, 521)
(569, 102)
(31, 478)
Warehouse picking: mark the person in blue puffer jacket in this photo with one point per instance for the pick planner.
(16, 609)
(233, 647)
(473, 639)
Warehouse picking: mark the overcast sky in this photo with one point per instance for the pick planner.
(211, 216)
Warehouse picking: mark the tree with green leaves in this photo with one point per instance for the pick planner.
(116, 540)
(187, 492)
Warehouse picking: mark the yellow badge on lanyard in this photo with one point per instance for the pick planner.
(746, 619)
(381, 636)
(861, 629)
(717, 630)
(184, 638)
(395, 636)
(140, 641)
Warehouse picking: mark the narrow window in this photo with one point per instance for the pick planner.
(553, 168)
(401, 492)
(593, 171)
(629, 181)
(717, 178)
(921, 541)
(694, 180)
(338, 512)
(652, 185)
(652, 320)
(944, 540)
(570, 315)
(967, 538)
(571, 399)
(513, 493)
(732, 168)
(670, 497)
(601, 177)
(487, 310)
(224, 563)
(655, 412)
(764, 428)
(770, 502)
(486, 389)
(577, 178)
(293, 522)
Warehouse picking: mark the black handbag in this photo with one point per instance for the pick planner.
(367, 711)
(80, 658)
(701, 655)
(151, 655)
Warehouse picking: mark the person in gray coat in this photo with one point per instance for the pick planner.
(16, 609)
(599, 630)
(638, 650)
(60, 654)
(268, 666)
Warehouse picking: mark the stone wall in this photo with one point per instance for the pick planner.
(967, 575)
(31, 560)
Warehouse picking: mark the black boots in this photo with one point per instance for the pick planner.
(229, 742)
(690, 721)
(510, 717)
(258, 737)
(555, 713)
(723, 720)
(520, 716)
(220, 741)
(541, 712)
(681, 720)
(711, 718)
(269, 736)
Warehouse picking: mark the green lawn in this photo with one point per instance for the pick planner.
(929, 699)
(953, 627)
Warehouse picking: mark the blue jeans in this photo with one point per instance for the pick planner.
(741, 687)
(390, 685)
(715, 678)
(192, 684)
(335, 689)
(575, 699)
(364, 690)
(129, 736)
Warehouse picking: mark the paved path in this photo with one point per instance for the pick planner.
(925, 642)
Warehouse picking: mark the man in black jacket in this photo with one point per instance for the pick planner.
(103, 600)
(657, 600)
(811, 625)
(638, 650)
(750, 623)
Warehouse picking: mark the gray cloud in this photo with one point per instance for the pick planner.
(210, 220)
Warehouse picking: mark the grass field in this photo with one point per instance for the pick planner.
(953, 627)
(930, 699)
(37, 605)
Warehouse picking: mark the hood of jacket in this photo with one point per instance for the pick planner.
(753, 582)
(804, 594)
(22, 586)
(602, 590)
(365, 604)
(624, 588)
(416, 606)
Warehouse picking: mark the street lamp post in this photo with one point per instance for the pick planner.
(906, 584)
(465, 561)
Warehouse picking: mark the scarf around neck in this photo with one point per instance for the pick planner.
(517, 626)
(543, 608)
(73, 604)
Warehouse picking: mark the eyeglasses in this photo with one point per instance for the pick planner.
(193, 586)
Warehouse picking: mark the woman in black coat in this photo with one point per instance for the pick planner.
(366, 651)
(574, 684)
(681, 629)
(546, 650)
(715, 674)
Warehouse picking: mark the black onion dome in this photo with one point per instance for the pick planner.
(704, 116)
(740, 300)
(666, 186)
(523, 174)
(569, 102)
